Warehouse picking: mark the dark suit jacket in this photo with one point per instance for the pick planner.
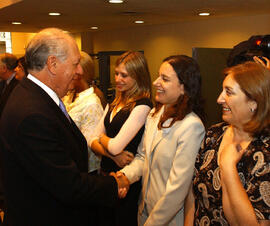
(2, 85)
(4, 97)
(45, 163)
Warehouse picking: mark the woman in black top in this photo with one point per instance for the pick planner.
(121, 129)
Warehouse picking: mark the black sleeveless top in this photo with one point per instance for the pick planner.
(113, 128)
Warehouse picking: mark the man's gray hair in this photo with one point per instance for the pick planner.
(48, 42)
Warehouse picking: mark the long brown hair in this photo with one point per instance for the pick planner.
(137, 68)
(188, 74)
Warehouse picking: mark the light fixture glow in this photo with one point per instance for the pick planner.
(54, 14)
(16, 23)
(116, 1)
(204, 14)
(94, 28)
(139, 22)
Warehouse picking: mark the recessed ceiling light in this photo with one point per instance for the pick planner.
(139, 22)
(94, 28)
(16, 23)
(204, 14)
(116, 1)
(54, 14)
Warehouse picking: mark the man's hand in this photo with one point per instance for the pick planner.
(123, 184)
(123, 159)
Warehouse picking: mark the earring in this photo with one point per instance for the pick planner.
(252, 109)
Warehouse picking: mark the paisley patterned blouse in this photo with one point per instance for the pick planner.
(253, 170)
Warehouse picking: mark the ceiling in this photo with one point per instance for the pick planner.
(80, 15)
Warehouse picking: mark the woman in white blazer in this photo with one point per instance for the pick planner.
(172, 138)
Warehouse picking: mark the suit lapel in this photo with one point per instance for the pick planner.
(154, 136)
(50, 102)
(158, 134)
(153, 131)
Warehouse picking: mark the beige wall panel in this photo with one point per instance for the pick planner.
(160, 41)
(19, 42)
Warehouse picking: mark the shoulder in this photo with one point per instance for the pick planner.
(144, 101)
(263, 142)
(191, 121)
(88, 97)
(192, 118)
(217, 129)
(191, 124)
(212, 136)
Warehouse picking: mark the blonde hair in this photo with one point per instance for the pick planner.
(87, 65)
(137, 68)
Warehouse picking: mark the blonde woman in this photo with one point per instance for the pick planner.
(121, 129)
(84, 106)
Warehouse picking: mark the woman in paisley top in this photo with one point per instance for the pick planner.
(120, 131)
(232, 179)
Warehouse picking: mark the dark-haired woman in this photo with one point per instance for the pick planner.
(21, 69)
(172, 138)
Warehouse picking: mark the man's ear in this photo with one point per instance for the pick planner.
(52, 64)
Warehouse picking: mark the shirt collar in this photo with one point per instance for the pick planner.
(10, 78)
(48, 90)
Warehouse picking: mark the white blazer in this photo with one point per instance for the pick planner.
(165, 161)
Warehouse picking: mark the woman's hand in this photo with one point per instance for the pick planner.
(237, 207)
(230, 155)
(123, 159)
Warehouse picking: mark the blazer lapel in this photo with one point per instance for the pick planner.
(158, 134)
(153, 132)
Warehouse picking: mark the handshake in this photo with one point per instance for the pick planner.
(123, 183)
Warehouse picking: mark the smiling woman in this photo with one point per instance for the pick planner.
(232, 180)
(173, 134)
(167, 85)
(237, 109)
(120, 131)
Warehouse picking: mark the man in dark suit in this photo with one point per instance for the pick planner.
(8, 63)
(44, 153)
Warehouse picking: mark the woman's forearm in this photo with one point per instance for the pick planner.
(104, 141)
(98, 148)
(237, 207)
(189, 208)
(128, 131)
